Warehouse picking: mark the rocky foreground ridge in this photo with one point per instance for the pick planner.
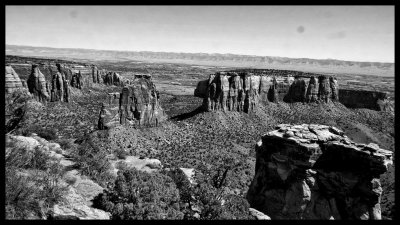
(243, 90)
(316, 172)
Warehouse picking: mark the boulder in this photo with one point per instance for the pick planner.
(314, 171)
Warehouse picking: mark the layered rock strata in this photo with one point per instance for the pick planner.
(37, 85)
(139, 103)
(243, 91)
(316, 172)
(12, 80)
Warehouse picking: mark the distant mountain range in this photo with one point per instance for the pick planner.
(206, 59)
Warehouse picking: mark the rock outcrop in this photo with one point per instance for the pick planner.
(243, 91)
(113, 78)
(316, 172)
(77, 80)
(12, 80)
(37, 85)
(139, 103)
(60, 87)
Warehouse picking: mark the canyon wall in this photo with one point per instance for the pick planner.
(243, 91)
(316, 172)
(362, 99)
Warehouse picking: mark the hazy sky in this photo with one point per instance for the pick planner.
(358, 33)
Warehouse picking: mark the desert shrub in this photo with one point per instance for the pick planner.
(32, 183)
(92, 161)
(236, 208)
(15, 108)
(121, 153)
(46, 133)
(140, 195)
(65, 143)
(182, 183)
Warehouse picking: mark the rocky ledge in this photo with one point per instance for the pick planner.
(313, 171)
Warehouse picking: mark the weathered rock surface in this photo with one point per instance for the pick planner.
(37, 85)
(243, 91)
(12, 80)
(258, 215)
(77, 80)
(316, 172)
(60, 88)
(76, 202)
(113, 78)
(139, 103)
(312, 90)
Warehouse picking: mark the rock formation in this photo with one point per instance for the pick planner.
(113, 78)
(60, 88)
(312, 90)
(37, 85)
(100, 76)
(12, 81)
(65, 71)
(324, 89)
(316, 172)
(139, 103)
(77, 80)
(243, 91)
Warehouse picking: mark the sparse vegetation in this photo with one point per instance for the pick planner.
(32, 183)
(139, 195)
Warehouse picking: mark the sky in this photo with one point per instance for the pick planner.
(354, 33)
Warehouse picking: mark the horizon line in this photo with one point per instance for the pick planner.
(209, 53)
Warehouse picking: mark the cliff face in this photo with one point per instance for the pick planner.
(362, 99)
(243, 91)
(316, 172)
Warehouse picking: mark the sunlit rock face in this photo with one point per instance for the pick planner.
(244, 91)
(12, 80)
(139, 103)
(314, 171)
